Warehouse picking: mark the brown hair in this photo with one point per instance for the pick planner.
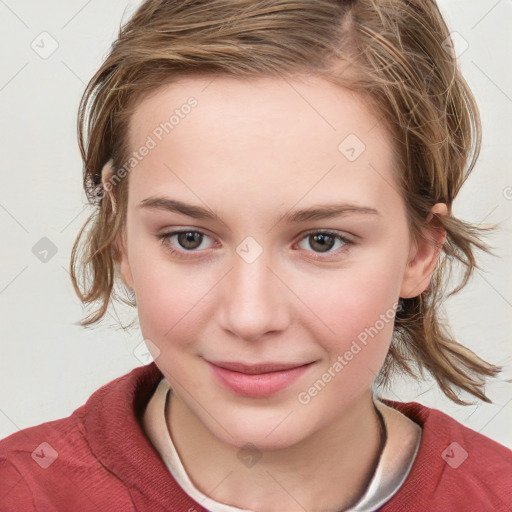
(398, 54)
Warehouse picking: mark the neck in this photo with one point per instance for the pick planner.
(327, 471)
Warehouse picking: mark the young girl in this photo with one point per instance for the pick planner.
(274, 184)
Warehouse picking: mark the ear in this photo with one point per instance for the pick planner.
(107, 172)
(119, 245)
(424, 254)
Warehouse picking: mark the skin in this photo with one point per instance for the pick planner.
(252, 151)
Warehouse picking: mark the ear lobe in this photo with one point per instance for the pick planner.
(107, 173)
(119, 245)
(424, 254)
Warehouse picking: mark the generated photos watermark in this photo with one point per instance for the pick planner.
(357, 345)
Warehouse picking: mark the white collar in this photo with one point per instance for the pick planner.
(393, 468)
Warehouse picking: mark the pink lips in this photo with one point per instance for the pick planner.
(259, 380)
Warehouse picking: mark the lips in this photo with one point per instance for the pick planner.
(257, 380)
(254, 369)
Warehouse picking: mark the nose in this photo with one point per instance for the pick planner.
(255, 300)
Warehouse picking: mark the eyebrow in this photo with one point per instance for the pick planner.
(319, 212)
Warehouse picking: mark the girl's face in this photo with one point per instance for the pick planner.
(297, 250)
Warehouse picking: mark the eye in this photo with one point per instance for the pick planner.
(321, 242)
(187, 241)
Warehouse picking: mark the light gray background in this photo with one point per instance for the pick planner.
(48, 365)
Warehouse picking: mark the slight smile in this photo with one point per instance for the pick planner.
(257, 380)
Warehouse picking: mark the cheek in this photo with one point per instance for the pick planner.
(356, 306)
(359, 310)
(362, 324)
(171, 300)
(349, 300)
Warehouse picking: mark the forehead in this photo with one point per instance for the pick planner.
(278, 135)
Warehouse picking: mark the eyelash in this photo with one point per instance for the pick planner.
(165, 237)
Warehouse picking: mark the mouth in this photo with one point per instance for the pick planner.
(257, 380)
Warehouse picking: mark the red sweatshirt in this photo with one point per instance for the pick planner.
(99, 459)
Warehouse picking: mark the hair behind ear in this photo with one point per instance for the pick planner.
(422, 340)
(97, 251)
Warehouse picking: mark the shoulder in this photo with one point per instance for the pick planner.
(456, 468)
(27, 457)
(62, 463)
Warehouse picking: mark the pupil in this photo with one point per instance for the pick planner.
(321, 241)
(190, 237)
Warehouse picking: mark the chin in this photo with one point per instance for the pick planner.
(260, 430)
